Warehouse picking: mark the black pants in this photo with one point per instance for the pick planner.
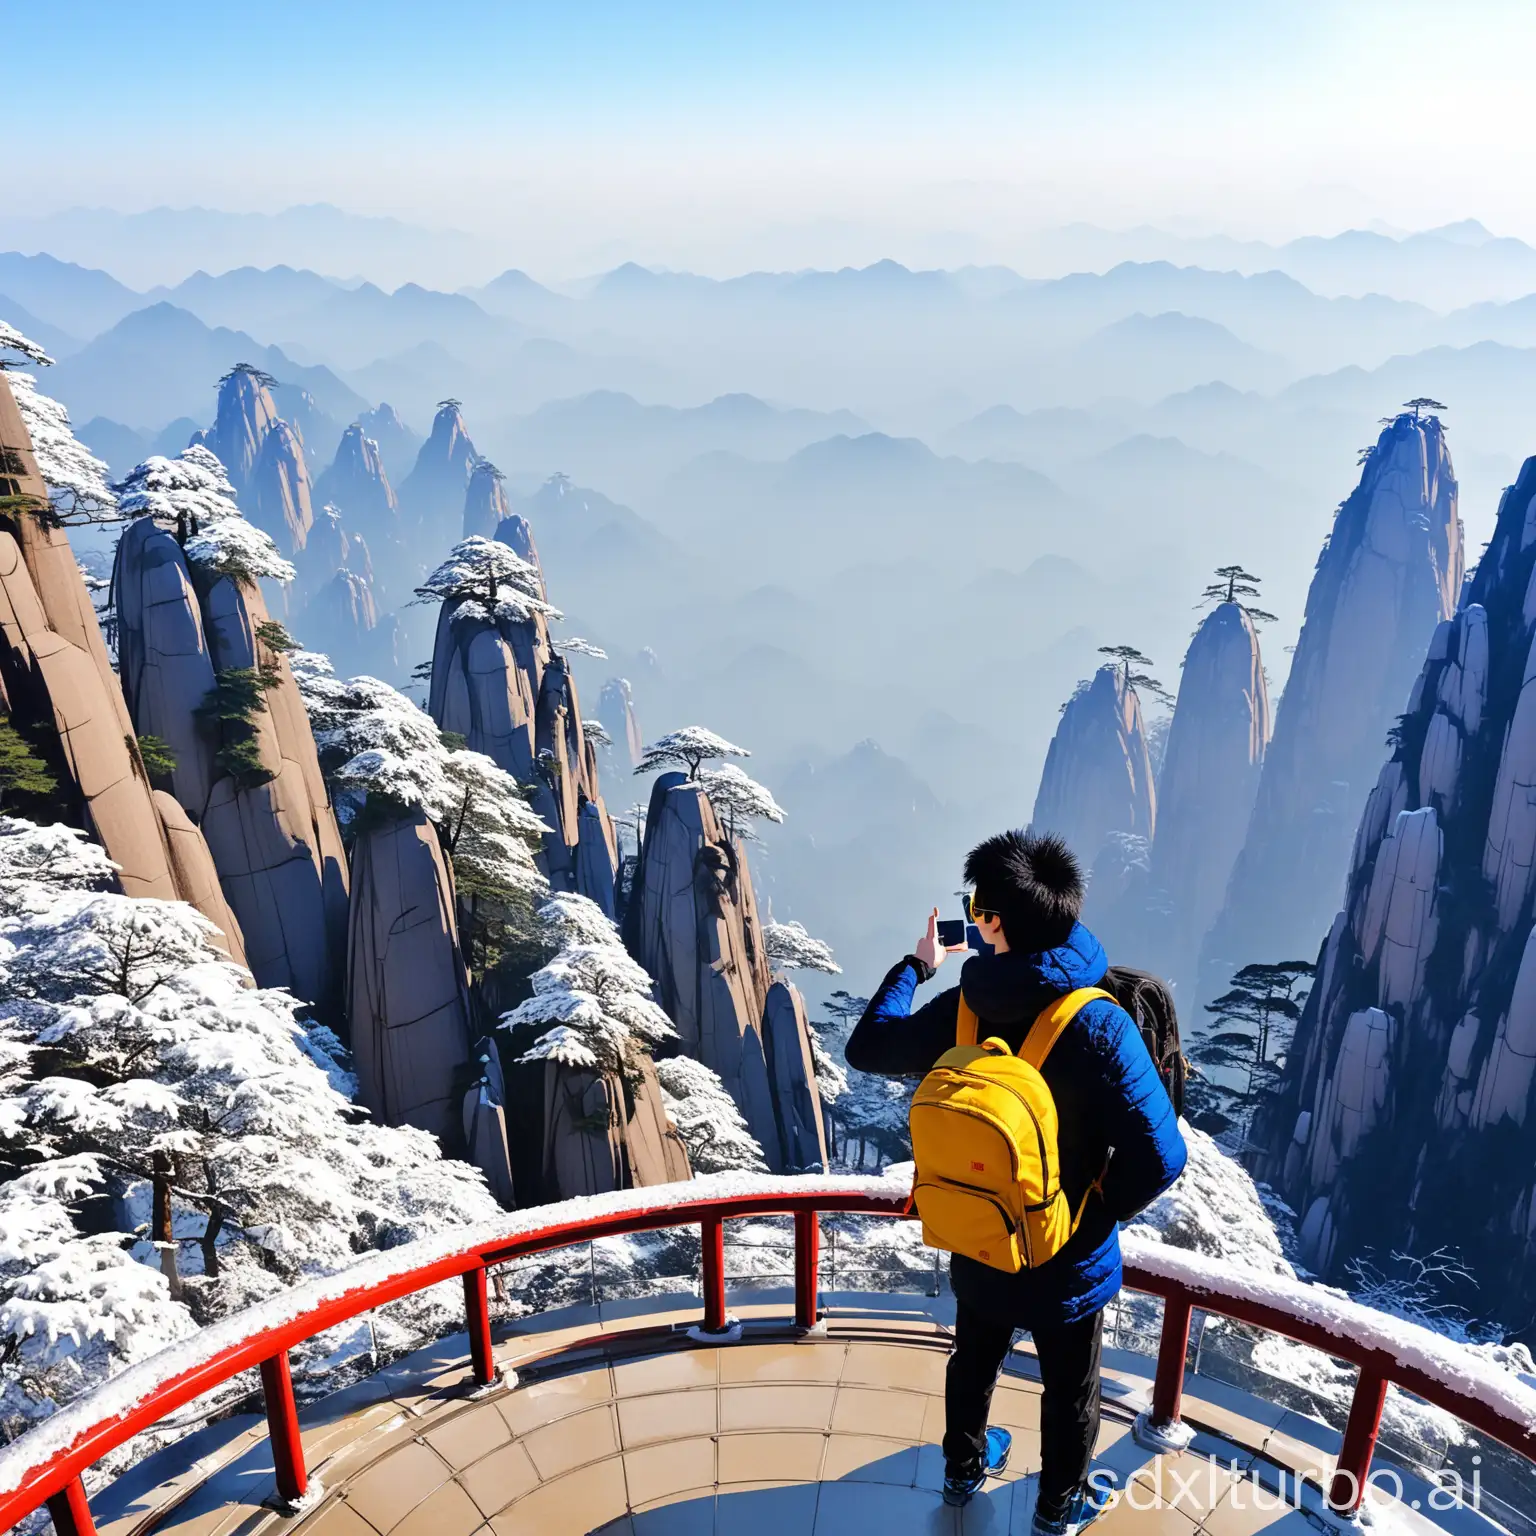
(1069, 1405)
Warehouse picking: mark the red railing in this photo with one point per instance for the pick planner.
(47, 1464)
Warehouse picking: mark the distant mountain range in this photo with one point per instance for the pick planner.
(165, 245)
(160, 362)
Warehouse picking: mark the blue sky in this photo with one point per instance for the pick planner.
(588, 121)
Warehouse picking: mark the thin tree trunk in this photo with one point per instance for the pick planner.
(160, 1223)
(210, 1243)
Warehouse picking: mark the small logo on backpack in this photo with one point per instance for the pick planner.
(978, 1167)
(984, 1253)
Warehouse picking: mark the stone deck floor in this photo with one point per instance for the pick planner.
(627, 1427)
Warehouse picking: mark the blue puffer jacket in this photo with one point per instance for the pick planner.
(1110, 1102)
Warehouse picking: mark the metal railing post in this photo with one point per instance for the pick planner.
(283, 1428)
(1172, 1350)
(477, 1313)
(713, 1232)
(807, 1265)
(1347, 1488)
(70, 1511)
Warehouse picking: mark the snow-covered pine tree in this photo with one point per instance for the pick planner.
(191, 497)
(739, 800)
(377, 747)
(495, 576)
(707, 1118)
(76, 479)
(591, 1005)
(789, 947)
(174, 1144)
(690, 748)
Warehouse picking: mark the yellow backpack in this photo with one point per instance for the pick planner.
(983, 1125)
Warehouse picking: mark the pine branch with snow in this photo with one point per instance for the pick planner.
(12, 340)
(739, 800)
(790, 948)
(78, 491)
(591, 1001)
(37, 863)
(689, 748)
(707, 1119)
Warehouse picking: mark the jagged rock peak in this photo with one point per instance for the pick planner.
(398, 444)
(1410, 1081)
(279, 500)
(692, 922)
(342, 620)
(485, 502)
(433, 492)
(616, 710)
(1098, 775)
(246, 414)
(1391, 570)
(516, 532)
(333, 546)
(1215, 751)
(356, 481)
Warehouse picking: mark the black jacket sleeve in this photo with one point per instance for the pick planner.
(892, 1040)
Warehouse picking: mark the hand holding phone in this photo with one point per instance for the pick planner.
(935, 943)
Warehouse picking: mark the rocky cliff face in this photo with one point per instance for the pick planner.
(516, 532)
(616, 710)
(357, 482)
(398, 445)
(485, 503)
(276, 843)
(278, 498)
(583, 1132)
(197, 880)
(1098, 778)
(1210, 774)
(55, 674)
(1391, 570)
(407, 986)
(1403, 1120)
(246, 414)
(332, 547)
(342, 619)
(269, 825)
(357, 487)
(432, 496)
(498, 682)
(801, 1134)
(693, 924)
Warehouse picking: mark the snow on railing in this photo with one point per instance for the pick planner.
(46, 1464)
(1352, 1327)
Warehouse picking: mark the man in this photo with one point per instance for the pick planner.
(1116, 1127)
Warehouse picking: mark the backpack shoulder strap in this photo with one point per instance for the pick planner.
(966, 1022)
(1053, 1019)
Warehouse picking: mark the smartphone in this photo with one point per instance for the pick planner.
(952, 934)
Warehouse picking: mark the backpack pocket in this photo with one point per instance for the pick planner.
(1047, 1227)
(969, 1221)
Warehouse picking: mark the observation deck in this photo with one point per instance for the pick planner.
(799, 1409)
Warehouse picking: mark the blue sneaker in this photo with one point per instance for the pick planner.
(1083, 1508)
(961, 1487)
